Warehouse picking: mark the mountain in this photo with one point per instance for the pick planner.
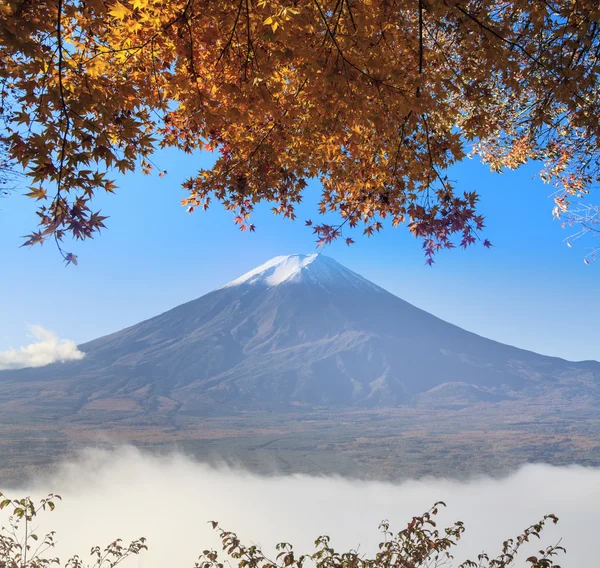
(300, 331)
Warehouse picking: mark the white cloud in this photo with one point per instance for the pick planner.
(47, 349)
(169, 499)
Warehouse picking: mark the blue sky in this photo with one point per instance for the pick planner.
(529, 290)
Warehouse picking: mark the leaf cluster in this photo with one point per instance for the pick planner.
(22, 547)
(421, 544)
(374, 98)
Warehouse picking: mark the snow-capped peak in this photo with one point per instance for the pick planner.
(275, 271)
(292, 268)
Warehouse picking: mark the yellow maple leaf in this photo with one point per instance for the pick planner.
(119, 11)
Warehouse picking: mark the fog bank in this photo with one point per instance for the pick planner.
(169, 499)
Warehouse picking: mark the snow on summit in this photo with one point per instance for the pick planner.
(293, 267)
(275, 271)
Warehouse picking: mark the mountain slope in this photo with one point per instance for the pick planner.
(298, 330)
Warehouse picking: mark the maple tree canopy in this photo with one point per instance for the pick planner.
(375, 98)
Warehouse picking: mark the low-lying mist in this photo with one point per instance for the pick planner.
(170, 499)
